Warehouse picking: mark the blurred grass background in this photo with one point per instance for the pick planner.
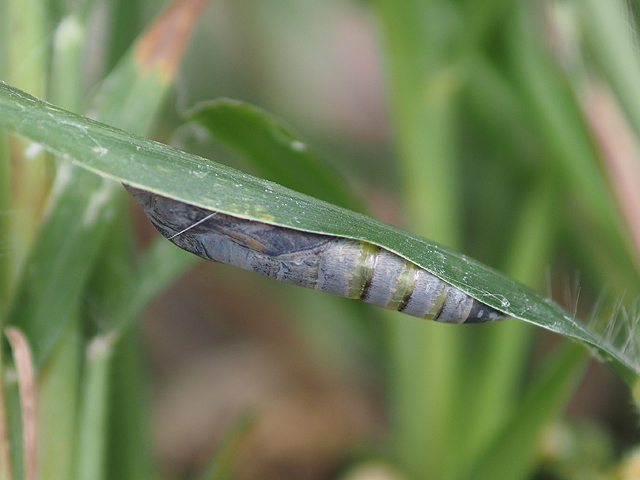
(480, 124)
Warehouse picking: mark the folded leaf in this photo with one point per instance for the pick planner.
(175, 174)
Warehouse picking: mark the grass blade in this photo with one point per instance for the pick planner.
(94, 411)
(274, 149)
(172, 173)
(512, 455)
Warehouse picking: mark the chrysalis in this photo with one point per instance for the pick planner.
(341, 266)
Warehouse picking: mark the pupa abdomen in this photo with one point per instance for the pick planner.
(341, 266)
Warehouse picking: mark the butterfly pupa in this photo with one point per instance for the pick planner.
(340, 266)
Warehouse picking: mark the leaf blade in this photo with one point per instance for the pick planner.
(274, 149)
(169, 172)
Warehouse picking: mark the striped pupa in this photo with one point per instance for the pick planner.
(341, 266)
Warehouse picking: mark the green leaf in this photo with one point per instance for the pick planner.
(59, 265)
(94, 410)
(129, 451)
(167, 171)
(58, 387)
(512, 455)
(161, 263)
(274, 149)
(613, 40)
(560, 123)
(83, 207)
